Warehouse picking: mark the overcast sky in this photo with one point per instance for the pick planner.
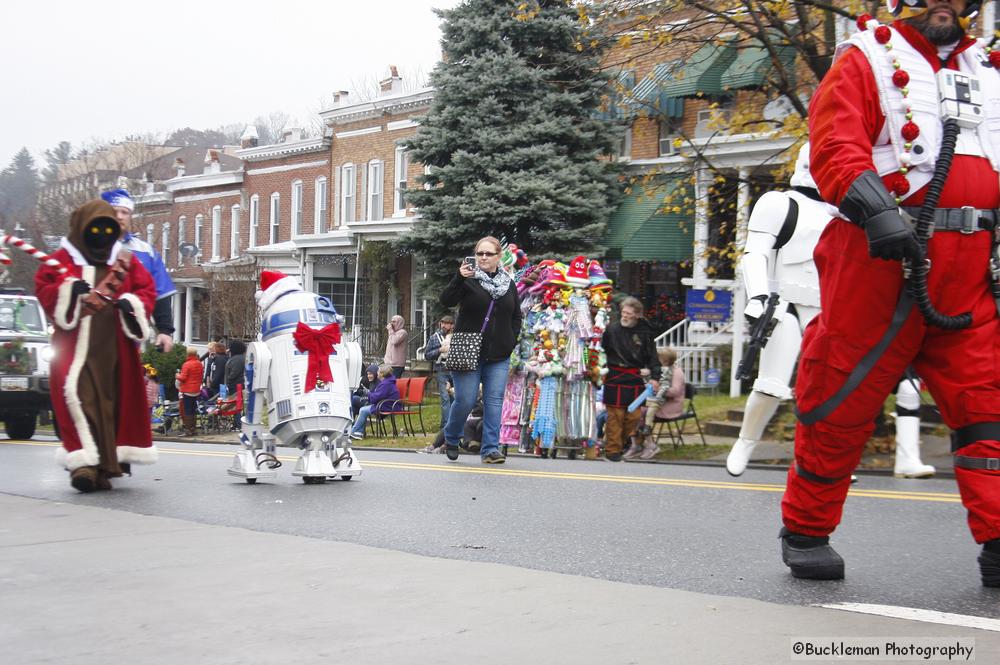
(103, 69)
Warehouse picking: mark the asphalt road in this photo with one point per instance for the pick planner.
(681, 527)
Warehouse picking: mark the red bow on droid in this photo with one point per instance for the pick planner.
(318, 345)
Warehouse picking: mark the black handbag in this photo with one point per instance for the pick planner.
(463, 352)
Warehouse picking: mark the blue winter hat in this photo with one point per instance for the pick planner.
(119, 198)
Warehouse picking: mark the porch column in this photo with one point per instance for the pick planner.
(176, 305)
(739, 292)
(188, 314)
(702, 182)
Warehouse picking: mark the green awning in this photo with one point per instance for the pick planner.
(702, 72)
(618, 107)
(752, 66)
(640, 231)
(649, 91)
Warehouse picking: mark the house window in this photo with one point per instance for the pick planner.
(399, 193)
(625, 144)
(199, 224)
(165, 244)
(181, 223)
(348, 184)
(254, 219)
(297, 207)
(216, 233)
(234, 231)
(375, 190)
(275, 217)
(319, 209)
(150, 237)
(670, 135)
(341, 293)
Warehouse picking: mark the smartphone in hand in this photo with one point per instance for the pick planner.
(470, 261)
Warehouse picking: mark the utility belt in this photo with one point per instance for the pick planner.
(964, 220)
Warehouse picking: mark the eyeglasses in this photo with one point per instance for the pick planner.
(486, 253)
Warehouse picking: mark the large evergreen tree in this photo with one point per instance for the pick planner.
(512, 138)
(18, 193)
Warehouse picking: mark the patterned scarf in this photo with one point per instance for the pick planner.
(496, 285)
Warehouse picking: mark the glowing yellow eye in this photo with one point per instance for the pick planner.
(92, 229)
(107, 231)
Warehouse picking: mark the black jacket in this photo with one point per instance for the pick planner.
(633, 347)
(473, 300)
(215, 371)
(234, 372)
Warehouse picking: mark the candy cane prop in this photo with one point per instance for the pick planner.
(42, 257)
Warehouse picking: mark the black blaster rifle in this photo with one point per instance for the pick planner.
(759, 334)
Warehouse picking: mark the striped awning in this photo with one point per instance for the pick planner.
(654, 223)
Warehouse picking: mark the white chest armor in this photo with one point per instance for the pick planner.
(794, 268)
(983, 141)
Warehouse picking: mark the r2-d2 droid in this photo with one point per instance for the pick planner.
(300, 376)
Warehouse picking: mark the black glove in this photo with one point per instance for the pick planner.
(80, 288)
(870, 206)
(125, 306)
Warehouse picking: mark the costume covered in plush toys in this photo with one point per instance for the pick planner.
(99, 307)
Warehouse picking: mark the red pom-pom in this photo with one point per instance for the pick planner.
(910, 131)
(900, 78)
(995, 59)
(882, 34)
(863, 21)
(900, 185)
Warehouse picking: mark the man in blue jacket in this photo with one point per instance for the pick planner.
(163, 315)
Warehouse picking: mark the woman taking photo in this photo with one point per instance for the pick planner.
(487, 303)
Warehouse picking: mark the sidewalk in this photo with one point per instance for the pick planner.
(935, 450)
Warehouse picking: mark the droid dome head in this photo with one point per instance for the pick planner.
(273, 285)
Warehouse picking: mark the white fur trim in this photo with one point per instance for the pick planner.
(140, 315)
(287, 284)
(76, 459)
(137, 455)
(88, 449)
(62, 306)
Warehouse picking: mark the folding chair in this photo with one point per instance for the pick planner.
(228, 408)
(414, 398)
(678, 422)
(377, 418)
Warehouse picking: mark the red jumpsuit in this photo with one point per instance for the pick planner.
(858, 294)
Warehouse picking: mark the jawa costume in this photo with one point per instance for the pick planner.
(100, 311)
(876, 135)
(629, 351)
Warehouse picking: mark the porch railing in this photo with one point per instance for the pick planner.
(372, 340)
(696, 356)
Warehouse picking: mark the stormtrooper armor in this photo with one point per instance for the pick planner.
(782, 232)
(300, 411)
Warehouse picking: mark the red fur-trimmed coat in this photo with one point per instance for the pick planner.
(70, 341)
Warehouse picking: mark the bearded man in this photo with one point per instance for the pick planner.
(876, 133)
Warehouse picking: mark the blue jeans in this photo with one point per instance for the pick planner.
(493, 376)
(359, 422)
(446, 400)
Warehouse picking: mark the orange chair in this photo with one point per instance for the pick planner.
(230, 408)
(414, 397)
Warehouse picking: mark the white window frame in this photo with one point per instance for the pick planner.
(399, 182)
(199, 223)
(297, 195)
(254, 220)
(375, 192)
(321, 194)
(181, 223)
(234, 231)
(348, 193)
(165, 244)
(274, 221)
(216, 233)
(151, 235)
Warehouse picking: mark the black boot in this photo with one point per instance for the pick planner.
(810, 557)
(989, 563)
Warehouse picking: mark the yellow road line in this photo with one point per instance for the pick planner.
(897, 495)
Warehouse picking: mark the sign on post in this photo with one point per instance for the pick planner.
(708, 306)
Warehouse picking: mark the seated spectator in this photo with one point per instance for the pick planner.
(360, 396)
(385, 397)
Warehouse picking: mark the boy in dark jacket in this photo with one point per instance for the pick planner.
(383, 399)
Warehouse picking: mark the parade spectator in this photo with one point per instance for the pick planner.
(383, 399)
(189, 388)
(667, 402)
(487, 302)
(215, 367)
(395, 345)
(234, 371)
(152, 383)
(436, 352)
(360, 396)
(162, 314)
(631, 352)
(98, 306)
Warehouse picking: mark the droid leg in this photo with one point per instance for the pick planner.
(908, 464)
(256, 458)
(777, 361)
(344, 458)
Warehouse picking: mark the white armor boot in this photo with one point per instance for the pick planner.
(759, 410)
(908, 464)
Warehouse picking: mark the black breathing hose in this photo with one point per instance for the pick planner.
(917, 281)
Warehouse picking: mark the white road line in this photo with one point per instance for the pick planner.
(916, 614)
